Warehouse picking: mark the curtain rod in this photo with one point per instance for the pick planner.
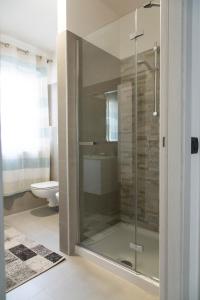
(26, 52)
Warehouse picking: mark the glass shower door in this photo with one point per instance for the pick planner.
(107, 142)
(118, 115)
(147, 95)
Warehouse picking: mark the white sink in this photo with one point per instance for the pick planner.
(99, 174)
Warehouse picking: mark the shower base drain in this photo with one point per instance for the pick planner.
(126, 263)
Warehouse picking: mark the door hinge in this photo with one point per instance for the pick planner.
(137, 248)
(136, 35)
(163, 141)
(194, 145)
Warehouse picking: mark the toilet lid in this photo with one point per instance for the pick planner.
(45, 185)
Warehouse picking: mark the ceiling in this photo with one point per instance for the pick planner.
(31, 21)
(123, 7)
(35, 21)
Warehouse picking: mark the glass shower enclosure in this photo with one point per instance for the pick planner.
(118, 116)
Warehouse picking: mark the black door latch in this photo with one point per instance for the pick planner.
(194, 145)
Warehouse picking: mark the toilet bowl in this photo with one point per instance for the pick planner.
(46, 190)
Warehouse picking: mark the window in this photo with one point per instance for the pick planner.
(111, 116)
(24, 120)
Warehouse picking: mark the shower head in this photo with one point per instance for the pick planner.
(151, 4)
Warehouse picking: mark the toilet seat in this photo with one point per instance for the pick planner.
(45, 185)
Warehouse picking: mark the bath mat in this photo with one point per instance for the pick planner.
(25, 259)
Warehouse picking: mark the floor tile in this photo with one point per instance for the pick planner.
(24, 292)
(42, 296)
(73, 279)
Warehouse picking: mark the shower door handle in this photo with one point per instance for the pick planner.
(92, 143)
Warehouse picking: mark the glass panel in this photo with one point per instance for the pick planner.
(119, 134)
(148, 22)
(107, 140)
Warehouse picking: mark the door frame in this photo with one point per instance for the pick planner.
(175, 157)
(195, 161)
(2, 257)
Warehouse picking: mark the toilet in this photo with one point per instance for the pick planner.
(46, 190)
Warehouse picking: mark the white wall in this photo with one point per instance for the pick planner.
(85, 17)
(107, 38)
(32, 21)
(107, 27)
(114, 37)
(61, 15)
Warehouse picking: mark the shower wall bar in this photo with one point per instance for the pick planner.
(155, 49)
(154, 69)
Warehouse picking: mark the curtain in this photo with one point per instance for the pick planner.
(24, 120)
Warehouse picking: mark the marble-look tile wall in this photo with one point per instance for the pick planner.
(126, 151)
(139, 172)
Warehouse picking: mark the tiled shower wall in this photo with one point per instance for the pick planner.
(141, 130)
